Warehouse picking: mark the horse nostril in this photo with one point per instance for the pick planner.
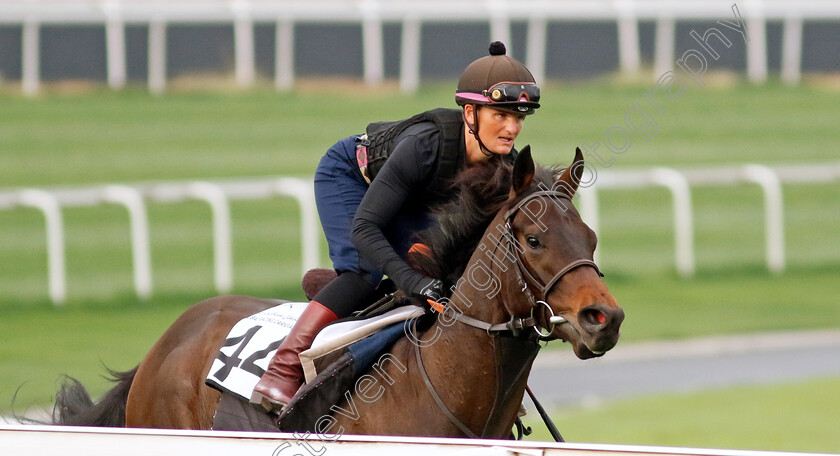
(593, 317)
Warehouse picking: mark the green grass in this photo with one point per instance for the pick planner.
(130, 136)
(662, 308)
(798, 417)
(103, 137)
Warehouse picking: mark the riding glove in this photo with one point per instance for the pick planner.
(429, 288)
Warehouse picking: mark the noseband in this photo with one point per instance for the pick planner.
(525, 277)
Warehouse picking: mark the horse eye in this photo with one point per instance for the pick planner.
(532, 241)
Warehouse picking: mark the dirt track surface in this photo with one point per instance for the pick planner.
(637, 369)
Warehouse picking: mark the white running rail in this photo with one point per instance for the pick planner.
(679, 184)
(218, 195)
(113, 15)
(134, 197)
(72, 441)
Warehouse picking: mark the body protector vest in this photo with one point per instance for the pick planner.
(382, 135)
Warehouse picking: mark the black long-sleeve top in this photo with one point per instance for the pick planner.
(405, 179)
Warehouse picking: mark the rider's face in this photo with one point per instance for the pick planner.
(498, 129)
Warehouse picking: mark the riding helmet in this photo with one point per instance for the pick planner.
(500, 82)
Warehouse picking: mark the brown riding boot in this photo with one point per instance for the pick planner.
(285, 374)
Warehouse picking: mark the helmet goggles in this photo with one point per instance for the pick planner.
(515, 97)
(513, 92)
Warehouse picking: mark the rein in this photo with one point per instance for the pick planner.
(509, 371)
(515, 326)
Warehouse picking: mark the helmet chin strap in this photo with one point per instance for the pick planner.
(474, 130)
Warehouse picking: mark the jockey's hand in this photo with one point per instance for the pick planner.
(430, 289)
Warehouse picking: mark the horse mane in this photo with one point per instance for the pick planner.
(483, 191)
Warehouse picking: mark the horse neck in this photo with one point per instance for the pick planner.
(489, 288)
(471, 354)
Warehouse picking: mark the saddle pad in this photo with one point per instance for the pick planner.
(249, 347)
(236, 414)
(342, 334)
(337, 379)
(252, 342)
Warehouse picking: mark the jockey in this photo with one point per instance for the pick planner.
(374, 193)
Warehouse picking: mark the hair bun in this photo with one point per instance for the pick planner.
(497, 48)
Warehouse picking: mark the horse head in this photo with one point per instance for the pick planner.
(553, 276)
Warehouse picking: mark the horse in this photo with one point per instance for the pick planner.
(518, 259)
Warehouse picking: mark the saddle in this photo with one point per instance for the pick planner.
(315, 279)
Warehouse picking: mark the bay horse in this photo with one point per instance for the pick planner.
(518, 258)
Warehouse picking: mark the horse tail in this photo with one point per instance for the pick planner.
(74, 406)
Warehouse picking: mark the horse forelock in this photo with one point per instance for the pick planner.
(482, 191)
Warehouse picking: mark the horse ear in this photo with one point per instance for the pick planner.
(570, 179)
(523, 171)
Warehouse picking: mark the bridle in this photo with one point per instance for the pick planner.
(514, 327)
(526, 279)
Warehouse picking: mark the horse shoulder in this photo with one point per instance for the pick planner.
(380, 396)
